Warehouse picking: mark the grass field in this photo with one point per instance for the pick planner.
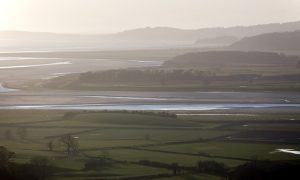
(126, 138)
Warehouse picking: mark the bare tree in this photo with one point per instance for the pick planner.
(71, 144)
(176, 169)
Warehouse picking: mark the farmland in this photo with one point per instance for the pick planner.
(126, 141)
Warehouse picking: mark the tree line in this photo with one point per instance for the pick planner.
(173, 76)
(161, 76)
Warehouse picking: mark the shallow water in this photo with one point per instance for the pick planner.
(290, 151)
(128, 97)
(164, 107)
(3, 89)
(26, 58)
(36, 65)
(189, 114)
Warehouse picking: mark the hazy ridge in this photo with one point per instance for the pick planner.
(157, 37)
(270, 42)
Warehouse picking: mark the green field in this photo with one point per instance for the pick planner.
(124, 139)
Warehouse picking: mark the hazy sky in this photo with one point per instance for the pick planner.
(103, 16)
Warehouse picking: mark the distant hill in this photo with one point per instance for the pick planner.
(270, 42)
(167, 33)
(162, 33)
(198, 59)
(143, 38)
(221, 40)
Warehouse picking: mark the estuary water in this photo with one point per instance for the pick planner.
(36, 65)
(162, 107)
(4, 89)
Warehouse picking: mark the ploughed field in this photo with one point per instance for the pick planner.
(146, 143)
